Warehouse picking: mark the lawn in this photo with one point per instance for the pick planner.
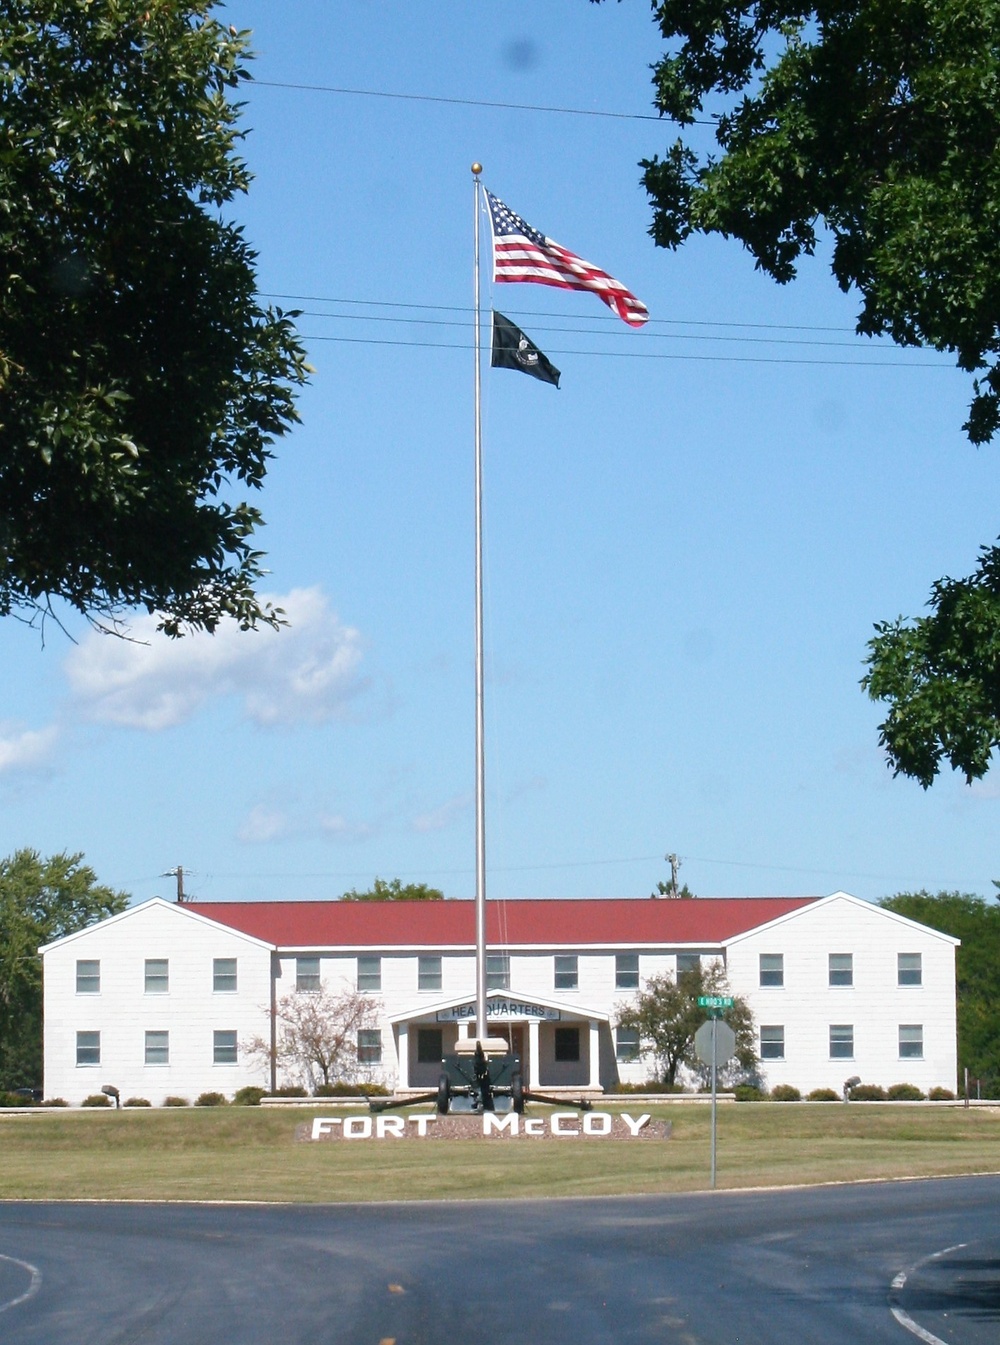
(251, 1153)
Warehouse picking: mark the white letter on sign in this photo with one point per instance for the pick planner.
(389, 1125)
(597, 1123)
(557, 1119)
(357, 1127)
(492, 1123)
(635, 1126)
(322, 1124)
(534, 1125)
(421, 1122)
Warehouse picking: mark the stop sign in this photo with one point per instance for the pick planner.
(725, 1042)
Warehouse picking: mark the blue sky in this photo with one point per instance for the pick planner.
(687, 544)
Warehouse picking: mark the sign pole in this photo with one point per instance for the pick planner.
(715, 1056)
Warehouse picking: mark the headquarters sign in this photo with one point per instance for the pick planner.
(510, 1010)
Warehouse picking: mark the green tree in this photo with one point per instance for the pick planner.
(395, 890)
(977, 971)
(871, 124)
(40, 900)
(666, 1016)
(141, 382)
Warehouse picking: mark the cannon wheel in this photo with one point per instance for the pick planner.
(517, 1091)
(443, 1095)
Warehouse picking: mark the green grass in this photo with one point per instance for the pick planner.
(250, 1153)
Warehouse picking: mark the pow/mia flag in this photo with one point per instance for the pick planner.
(513, 350)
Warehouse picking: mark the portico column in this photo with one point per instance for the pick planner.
(533, 1081)
(595, 1054)
(404, 1056)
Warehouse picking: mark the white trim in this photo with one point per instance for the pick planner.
(155, 902)
(851, 900)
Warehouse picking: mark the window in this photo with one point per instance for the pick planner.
(909, 969)
(841, 1041)
(841, 968)
(88, 1048)
(567, 976)
(911, 1041)
(772, 1042)
(688, 962)
(429, 971)
(567, 1043)
(224, 975)
(88, 978)
(224, 1048)
(497, 971)
(430, 1046)
(157, 975)
(370, 1046)
(772, 969)
(626, 971)
(307, 973)
(157, 1048)
(370, 973)
(626, 1044)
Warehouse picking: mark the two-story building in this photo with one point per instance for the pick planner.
(164, 998)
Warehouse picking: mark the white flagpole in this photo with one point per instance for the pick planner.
(481, 1028)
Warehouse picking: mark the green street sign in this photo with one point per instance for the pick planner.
(715, 1001)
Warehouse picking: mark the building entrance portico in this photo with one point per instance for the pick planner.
(559, 1044)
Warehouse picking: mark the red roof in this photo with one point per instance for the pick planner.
(551, 924)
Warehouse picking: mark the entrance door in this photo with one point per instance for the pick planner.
(513, 1034)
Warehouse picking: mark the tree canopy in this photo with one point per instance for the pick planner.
(40, 900)
(395, 890)
(666, 1016)
(874, 125)
(977, 971)
(141, 382)
(316, 1037)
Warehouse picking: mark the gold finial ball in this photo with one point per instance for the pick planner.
(477, 168)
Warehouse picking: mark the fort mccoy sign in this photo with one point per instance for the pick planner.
(486, 1125)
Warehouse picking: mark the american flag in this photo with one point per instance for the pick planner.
(522, 253)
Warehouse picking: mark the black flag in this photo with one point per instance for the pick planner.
(513, 350)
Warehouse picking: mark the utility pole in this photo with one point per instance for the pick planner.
(675, 865)
(177, 873)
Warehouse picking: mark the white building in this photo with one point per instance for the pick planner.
(163, 998)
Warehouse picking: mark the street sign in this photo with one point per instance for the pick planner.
(722, 1036)
(715, 1001)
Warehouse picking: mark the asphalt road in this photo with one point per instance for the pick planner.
(858, 1264)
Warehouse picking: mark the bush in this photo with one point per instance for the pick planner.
(249, 1096)
(941, 1095)
(904, 1092)
(96, 1100)
(343, 1089)
(747, 1092)
(288, 1090)
(137, 1102)
(867, 1092)
(211, 1100)
(650, 1086)
(16, 1100)
(176, 1102)
(823, 1095)
(785, 1092)
(55, 1102)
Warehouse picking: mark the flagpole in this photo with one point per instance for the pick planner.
(481, 1029)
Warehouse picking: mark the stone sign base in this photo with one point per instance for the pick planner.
(557, 1125)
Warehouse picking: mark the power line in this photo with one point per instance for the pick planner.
(471, 102)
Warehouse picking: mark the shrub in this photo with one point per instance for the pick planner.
(288, 1090)
(249, 1096)
(96, 1100)
(650, 1086)
(904, 1092)
(785, 1092)
(211, 1100)
(823, 1095)
(941, 1095)
(867, 1092)
(747, 1092)
(15, 1100)
(137, 1102)
(176, 1102)
(343, 1089)
(55, 1102)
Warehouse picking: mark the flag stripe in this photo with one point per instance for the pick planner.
(522, 254)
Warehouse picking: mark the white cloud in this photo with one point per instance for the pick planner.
(25, 749)
(439, 819)
(263, 824)
(306, 672)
